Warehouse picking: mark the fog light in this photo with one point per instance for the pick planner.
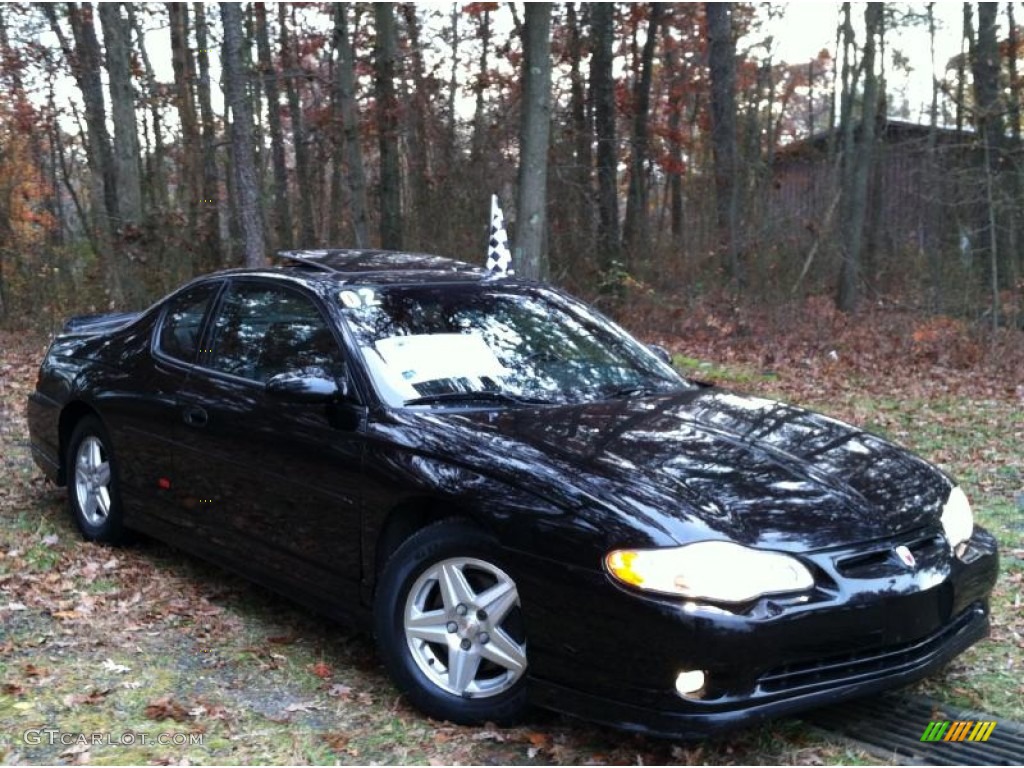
(689, 683)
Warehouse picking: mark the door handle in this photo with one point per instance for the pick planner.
(195, 416)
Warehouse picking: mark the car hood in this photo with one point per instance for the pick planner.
(705, 463)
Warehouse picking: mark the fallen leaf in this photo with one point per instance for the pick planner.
(166, 708)
(336, 741)
(51, 540)
(321, 670)
(540, 740)
(11, 689)
(112, 666)
(339, 691)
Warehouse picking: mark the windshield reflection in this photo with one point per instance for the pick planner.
(473, 344)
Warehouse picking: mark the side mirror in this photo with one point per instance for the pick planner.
(663, 354)
(303, 388)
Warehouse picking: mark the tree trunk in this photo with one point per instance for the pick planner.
(636, 231)
(479, 128)
(582, 135)
(345, 93)
(453, 89)
(156, 187)
(417, 109)
(675, 139)
(849, 277)
(127, 159)
(966, 47)
(722, 66)
(209, 224)
(384, 56)
(603, 87)
(282, 215)
(1015, 257)
(531, 208)
(191, 148)
(249, 207)
(932, 224)
(989, 109)
(293, 74)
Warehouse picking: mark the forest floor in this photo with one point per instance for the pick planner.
(144, 641)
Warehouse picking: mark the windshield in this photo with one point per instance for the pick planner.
(465, 344)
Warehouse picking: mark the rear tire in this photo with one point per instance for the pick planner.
(94, 499)
(449, 626)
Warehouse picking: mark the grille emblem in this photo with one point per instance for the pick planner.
(906, 556)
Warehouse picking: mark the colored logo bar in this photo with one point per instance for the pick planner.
(958, 730)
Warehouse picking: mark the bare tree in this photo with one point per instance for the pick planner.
(84, 59)
(849, 276)
(582, 133)
(345, 94)
(387, 126)
(156, 187)
(531, 208)
(635, 231)
(127, 161)
(282, 205)
(248, 204)
(304, 176)
(603, 88)
(989, 109)
(191, 148)
(209, 229)
(722, 66)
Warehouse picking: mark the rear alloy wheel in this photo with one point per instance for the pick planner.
(450, 627)
(92, 483)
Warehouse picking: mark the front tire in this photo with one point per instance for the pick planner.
(449, 626)
(93, 497)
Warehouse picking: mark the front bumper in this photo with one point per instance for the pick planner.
(616, 664)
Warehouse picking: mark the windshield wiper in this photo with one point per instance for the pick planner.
(633, 390)
(469, 397)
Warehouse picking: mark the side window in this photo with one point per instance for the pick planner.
(262, 331)
(183, 323)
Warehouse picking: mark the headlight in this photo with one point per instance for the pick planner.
(957, 518)
(711, 570)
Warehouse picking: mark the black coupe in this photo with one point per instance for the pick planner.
(520, 500)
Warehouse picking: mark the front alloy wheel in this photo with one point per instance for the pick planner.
(93, 497)
(450, 628)
(456, 634)
(92, 481)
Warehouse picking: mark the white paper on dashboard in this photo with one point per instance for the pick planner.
(439, 356)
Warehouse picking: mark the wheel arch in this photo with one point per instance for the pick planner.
(402, 521)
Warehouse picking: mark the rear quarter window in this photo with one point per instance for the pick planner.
(182, 325)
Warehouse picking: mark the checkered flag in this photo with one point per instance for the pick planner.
(499, 257)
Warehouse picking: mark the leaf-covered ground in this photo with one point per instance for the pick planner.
(146, 641)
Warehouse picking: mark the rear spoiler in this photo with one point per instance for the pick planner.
(98, 323)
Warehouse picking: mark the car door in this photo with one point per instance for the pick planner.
(276, 482)
(145, 425)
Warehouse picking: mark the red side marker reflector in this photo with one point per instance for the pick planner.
(164, 483)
